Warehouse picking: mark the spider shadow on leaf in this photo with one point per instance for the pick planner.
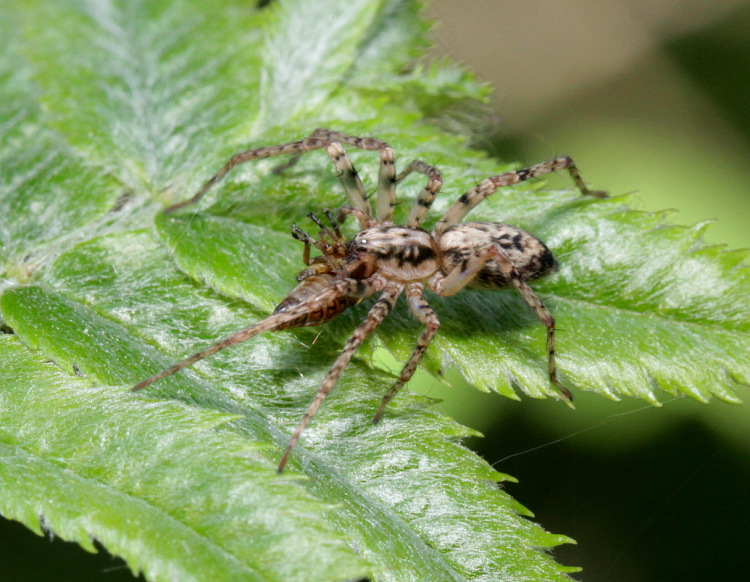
(480, 312)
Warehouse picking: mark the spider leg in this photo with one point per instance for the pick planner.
(488, 186)
(387, 185)
(320, 138)
(300, 146)
(353, 187)
(428, 193)
(459, 277)
(462, 275)
(542, 313)
(380, 309)
(424, 313)
(346, 210)
(363, 143)
(295, 316)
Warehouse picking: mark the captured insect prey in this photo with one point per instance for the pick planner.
(388, 259)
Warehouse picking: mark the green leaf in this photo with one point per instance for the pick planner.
(375, 501)
(299, 76)
(141, 89)
(117, 107)
(49, 198)
(642, 307)
(152, 478)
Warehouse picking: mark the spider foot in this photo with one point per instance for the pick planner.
(597, 193)
(566, 395)
(378, 415)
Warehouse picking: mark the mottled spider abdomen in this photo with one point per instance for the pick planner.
(529, 255)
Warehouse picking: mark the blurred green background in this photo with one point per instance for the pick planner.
(649, 96)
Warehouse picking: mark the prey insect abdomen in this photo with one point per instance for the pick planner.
(306, 289)
(530, 256)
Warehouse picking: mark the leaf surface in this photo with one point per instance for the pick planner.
(101, 290)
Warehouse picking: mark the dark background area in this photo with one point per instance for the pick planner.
(647, 96)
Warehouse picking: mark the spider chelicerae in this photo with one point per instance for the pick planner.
(388, 259)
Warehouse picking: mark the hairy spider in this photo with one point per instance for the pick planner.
(391, 259)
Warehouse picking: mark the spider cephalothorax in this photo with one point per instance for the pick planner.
(393, 259)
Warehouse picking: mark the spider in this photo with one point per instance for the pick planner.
(389, 259)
